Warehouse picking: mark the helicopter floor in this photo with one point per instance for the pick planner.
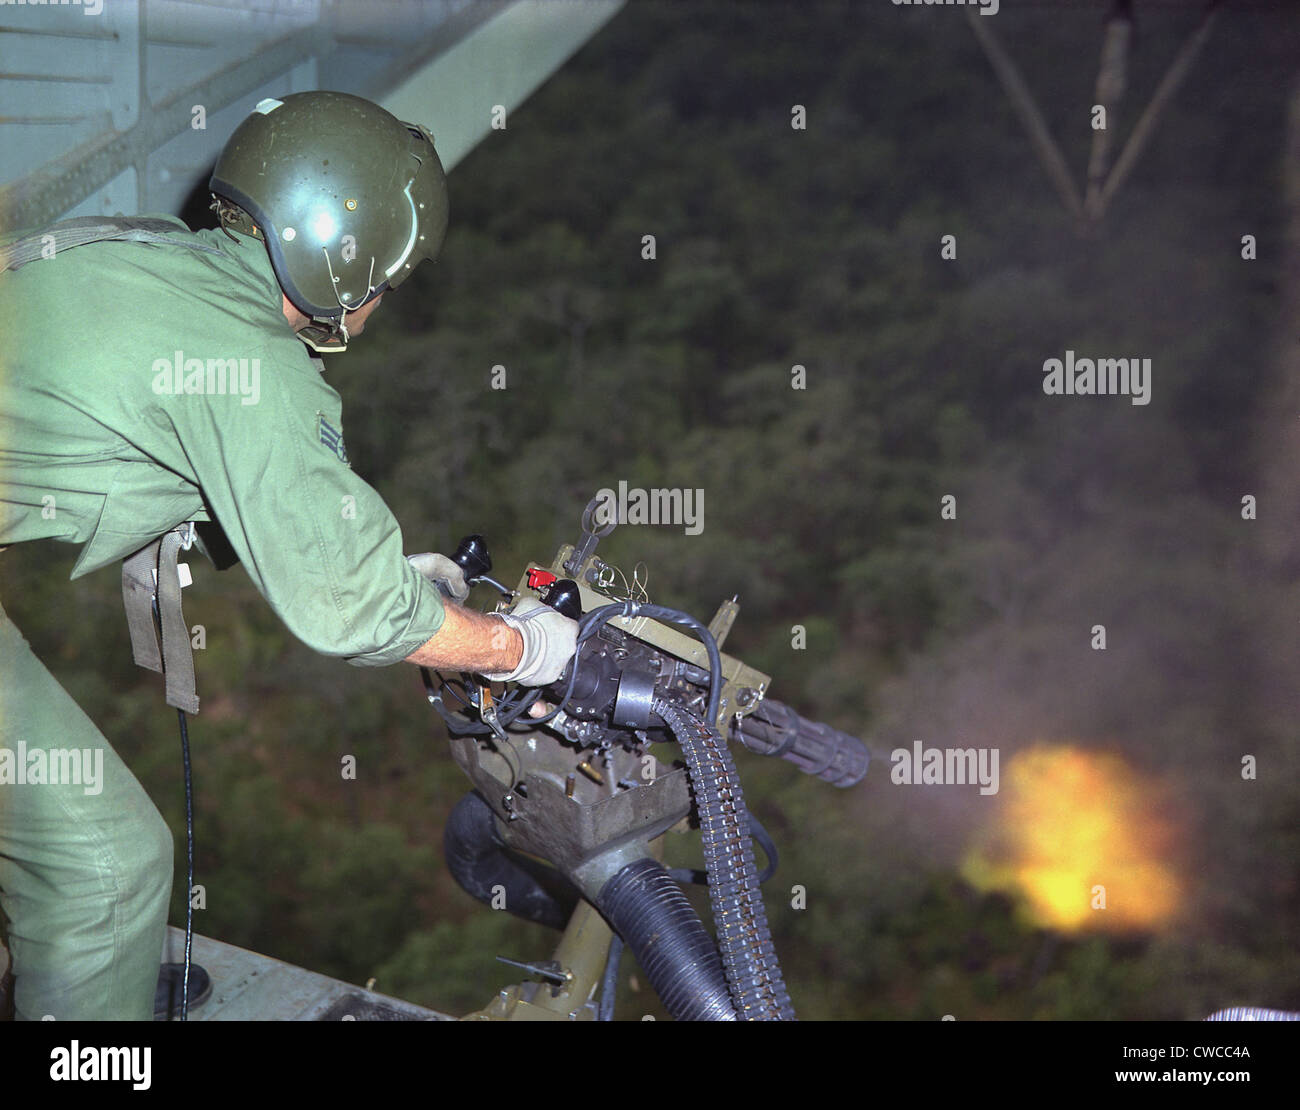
(247, 986)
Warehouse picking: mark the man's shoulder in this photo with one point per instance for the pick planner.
(225, 282)
(113, 305)
(210, 256)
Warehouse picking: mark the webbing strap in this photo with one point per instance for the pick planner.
(93, 229)
(178, 659)
(137, 598)
(149, 607)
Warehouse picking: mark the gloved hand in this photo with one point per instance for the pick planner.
(550, 639)
(442, 572)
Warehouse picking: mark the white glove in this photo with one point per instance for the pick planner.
(550, 639)
(442, 572)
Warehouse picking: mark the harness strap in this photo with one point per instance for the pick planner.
(93, 229)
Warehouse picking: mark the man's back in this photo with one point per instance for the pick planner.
(147, 385)
(82, 407)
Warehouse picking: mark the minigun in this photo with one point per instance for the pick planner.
(576, 785)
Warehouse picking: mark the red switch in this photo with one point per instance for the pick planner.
(537, 578)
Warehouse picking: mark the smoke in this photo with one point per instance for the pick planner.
(1108, 522)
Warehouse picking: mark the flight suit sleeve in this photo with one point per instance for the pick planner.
(318, 542)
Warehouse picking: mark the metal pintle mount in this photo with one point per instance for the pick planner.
(586, 546)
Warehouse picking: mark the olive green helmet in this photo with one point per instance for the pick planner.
(347, 198)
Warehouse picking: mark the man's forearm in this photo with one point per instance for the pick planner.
(470, 641)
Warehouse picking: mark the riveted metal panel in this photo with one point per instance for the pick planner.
(108, 96)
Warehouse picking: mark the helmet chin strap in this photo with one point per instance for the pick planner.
(326, 334)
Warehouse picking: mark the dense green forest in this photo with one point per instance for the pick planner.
(820, 247)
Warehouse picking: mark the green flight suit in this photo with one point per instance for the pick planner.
(142, 386)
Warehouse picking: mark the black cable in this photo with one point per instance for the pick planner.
(592, 622)
(609, 981)
(513, 705)
(524, 706)
(675, 616)
(573, 677)
(189, 866)
(759, 835)
(764, 841)
(456, 692)
(589, 625)
(456, 722)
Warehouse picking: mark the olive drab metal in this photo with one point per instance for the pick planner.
(347, 198)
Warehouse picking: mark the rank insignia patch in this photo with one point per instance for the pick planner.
(332, 438)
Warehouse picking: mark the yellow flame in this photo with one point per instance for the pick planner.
(1078, 837)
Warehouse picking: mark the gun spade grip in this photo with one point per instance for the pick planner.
(472, 557)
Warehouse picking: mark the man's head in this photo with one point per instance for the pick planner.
(354, 323)
(347, 198)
